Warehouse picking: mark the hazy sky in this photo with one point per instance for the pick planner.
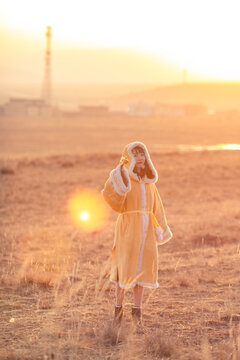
(144, 40)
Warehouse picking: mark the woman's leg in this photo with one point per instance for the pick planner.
(118, 307)
(136, 309)
(137, 294)
(119, 295)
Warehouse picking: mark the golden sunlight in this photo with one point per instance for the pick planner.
(231, 147)
(198, 36)
(88, 210)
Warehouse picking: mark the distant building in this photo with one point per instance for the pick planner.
(180, 110)
(96, 110)
(166, 110)
(26, 107)
(195, 110)
(228, 114)
(70, 113)
(140, 109)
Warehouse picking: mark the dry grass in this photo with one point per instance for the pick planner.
(56, 299)
(158, 345)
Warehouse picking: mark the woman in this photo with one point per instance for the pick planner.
(140, 227)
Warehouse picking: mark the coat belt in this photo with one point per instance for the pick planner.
(155, 222)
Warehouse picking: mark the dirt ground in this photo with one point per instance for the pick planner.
(45, 314)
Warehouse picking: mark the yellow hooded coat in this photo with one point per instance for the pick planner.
(141, 225)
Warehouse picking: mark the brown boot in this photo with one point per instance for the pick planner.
(118, 315)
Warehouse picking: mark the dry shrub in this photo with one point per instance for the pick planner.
(184, 282)
(20, 353)
(45, 301)
(237, 216)
(206, 278)
(159, 345)
(191, 355)
(45, 259)
(7, 171)
(211, 240)
(32, 275)
(229, 313)
(39, 270)
(206, 352)
(67, 164)
(110, 335)
(230, 317)
(24, 162)
(229, 349)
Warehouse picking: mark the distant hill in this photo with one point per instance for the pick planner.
(218, 96)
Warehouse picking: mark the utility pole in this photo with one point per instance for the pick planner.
(47, 70)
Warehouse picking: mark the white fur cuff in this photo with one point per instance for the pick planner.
(116, 179)
(167, 235)
(159, 234)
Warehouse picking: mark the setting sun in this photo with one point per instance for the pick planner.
(84, 216)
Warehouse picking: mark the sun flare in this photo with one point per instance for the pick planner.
(88, 210)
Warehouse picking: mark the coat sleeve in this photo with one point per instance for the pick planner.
(116, 188)
(163, 233)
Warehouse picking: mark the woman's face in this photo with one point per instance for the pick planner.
(139, 157)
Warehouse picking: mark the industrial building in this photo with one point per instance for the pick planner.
(167, 110)
(26, 107)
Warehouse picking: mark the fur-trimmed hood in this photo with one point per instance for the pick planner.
(129, 161)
